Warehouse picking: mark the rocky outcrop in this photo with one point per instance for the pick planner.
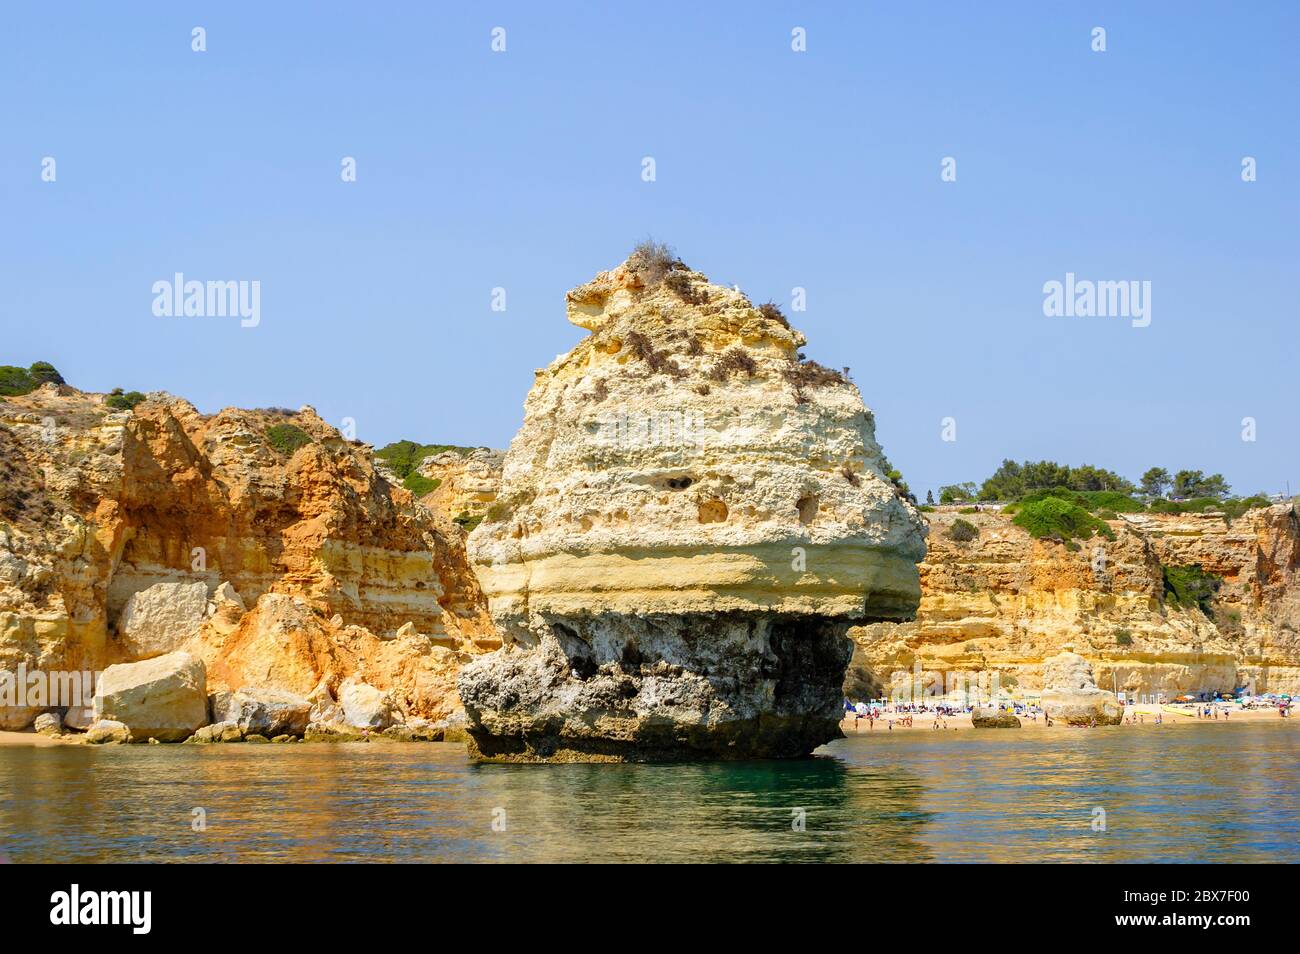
(163, 698)
(1070, 693)
(262, 711)
(261, 542)
(990, 718)
(1002, 603)
(689, 519)
(469, 479)
(107, 732)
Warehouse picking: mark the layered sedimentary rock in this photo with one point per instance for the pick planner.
(1002, 603)
(688, 521)
(261, 542)
(469, 479)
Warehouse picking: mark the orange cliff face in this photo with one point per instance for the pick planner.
(1004, 602)
(125, 534)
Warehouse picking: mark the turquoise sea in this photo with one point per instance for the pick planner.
(1177, 792)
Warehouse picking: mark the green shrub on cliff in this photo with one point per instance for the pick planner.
(1090, 500)
(287, 438)
(963, 531)
(123, 402)
(1059, 519)
(420, 485)
(466, 522)
(404, 456)
(1012, 480)
(1231, 509)
(15, 381)
(1190, 586)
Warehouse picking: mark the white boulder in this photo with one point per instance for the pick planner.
(165, 697)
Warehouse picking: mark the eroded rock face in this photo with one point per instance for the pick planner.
(689, 519)
(1003, 603)
(125, 535)
(468, 481)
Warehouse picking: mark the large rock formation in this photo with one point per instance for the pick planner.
(468, 479)
(1002, 603)
(689, 519)
(1070, 693)
(260, 542)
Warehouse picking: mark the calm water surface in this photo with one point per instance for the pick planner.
(1170, 793)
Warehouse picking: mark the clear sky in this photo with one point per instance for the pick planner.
(775, 169)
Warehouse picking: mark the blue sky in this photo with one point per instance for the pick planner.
(775, 169)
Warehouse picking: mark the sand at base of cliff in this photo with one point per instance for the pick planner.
(27, 738)
(1181, 714)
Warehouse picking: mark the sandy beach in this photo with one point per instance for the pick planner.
(33, 739)
(1143, 715)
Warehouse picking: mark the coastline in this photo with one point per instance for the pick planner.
(1172, 714)
(921, 722)
(31, 739)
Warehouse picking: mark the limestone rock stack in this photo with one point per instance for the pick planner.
(1070, 693)
(688, 521)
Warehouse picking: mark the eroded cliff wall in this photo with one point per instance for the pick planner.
(302, 565)
(1003, 602)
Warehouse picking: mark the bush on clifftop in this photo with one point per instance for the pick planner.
(1059, 519)
(123, 402)
(15, 381)
(287, 438)
(962, 531)
(404, 456)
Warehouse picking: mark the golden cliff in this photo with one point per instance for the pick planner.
(468, 481)
(688, 520)
(1004, 602)
(261, 542)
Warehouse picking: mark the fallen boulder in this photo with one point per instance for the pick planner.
(365, 707)
(264, 711)
(161, 619)
(48, 723)
(164, 697)
(993, 719)
(334, 732)
(216, 732)
(1070, 693)
(107, 731)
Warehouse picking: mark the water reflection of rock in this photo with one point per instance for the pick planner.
(719, 812)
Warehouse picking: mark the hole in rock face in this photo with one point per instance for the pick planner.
(631, 656)
(679, 483)
(713, 511)
(807, 506)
